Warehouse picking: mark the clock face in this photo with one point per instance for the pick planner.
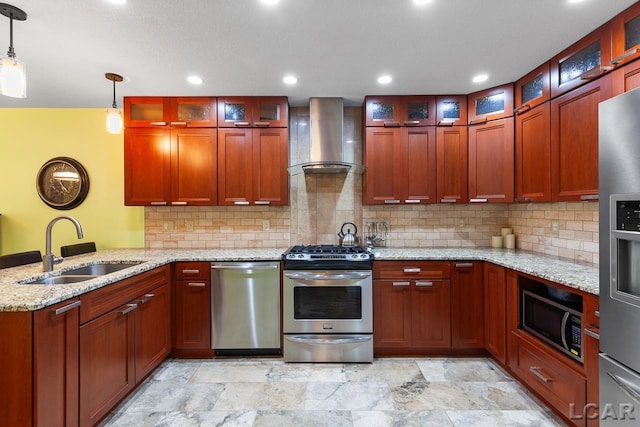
(62, 183)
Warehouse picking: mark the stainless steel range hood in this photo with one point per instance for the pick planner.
(326, 151)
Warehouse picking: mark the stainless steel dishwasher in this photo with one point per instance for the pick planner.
(245, 308)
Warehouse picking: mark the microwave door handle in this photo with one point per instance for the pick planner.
(563, 329)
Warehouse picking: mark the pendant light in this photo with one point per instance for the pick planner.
(114, 118)
(13, 76)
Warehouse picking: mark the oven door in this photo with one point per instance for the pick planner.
(327, 302)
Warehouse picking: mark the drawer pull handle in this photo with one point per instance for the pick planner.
(147, 298)
(478, 200)
(67, 308)
(158, 123)
(263, 202)
(239, 124)
(197, 284)
(391, 123)
(411, 270)
(261, 124)
(158, 203)
(630, 52)
(401, 283)
(447, 122)
(597, 312)
(478, 120)
(589, 197)
(391, 201)
(241, 202)
(411, 122)
(592, 333)
(522, 108)
(179, 203)
(412, 201)
(191, 271)
(522, 199)
(130, 308)
(595, 72)
(425, 284)
(178, 123)
(447, 200)
(536, 372)
(464, 264)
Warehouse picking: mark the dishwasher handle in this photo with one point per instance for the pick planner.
(245, 267)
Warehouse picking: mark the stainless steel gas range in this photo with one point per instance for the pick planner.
(327, 304)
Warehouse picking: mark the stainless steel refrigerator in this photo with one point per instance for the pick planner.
(619, 182)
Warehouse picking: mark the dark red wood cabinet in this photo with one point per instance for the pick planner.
(490, 104)
(495, 315)
(467, 308)
(253, 111)
(192, 310)
(452, 149)
(533, 154)
(625, 36)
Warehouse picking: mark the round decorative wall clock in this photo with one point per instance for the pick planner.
(62, 183)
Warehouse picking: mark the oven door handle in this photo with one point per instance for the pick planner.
(312, 277)
(350, 340)
(563, 330)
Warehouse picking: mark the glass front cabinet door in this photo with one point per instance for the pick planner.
(257, 111)
(625, 34)
(400, 111)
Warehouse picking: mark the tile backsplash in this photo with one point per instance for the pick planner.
(319, 204)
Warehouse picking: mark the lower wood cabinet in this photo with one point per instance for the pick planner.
(412, 305)
(554, 380)
(126, 333)
(495, 315)
(192, 310)
(39, 366)
(467, 310)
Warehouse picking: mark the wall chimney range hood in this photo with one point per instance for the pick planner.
(327, 150)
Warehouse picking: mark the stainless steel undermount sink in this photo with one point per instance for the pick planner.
(82, 274)
(60, 280)
(98, 269)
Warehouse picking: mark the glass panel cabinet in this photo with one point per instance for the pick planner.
(490, 104)
(625, 33)
(400, 110)
(256, 111)
(451, 110)
(147, 111)
(532, 89)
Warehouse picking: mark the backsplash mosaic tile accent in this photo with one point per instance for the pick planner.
(319, 204)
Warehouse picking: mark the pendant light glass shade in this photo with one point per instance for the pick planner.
(114, 116)
(13, 77)
(114, 121)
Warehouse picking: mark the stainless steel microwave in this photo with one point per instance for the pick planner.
(553, 322)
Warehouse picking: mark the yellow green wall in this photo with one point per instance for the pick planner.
(30, 137)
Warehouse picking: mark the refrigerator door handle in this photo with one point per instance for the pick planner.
(630, 389)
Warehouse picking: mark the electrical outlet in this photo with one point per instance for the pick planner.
(555, 229)
(462, 223)
(167, 226)
(188, 225)
(266, 225)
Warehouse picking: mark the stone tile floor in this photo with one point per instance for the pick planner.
(389, 392)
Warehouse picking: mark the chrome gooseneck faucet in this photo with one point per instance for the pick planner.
(49, 259)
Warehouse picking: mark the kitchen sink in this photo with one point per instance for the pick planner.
(59, 280)
(84, 273)
(98, 269)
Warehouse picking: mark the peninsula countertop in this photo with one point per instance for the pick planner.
(15, 295)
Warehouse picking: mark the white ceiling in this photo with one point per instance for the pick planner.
(243, 47)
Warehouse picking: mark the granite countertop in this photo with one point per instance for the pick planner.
(17, 296)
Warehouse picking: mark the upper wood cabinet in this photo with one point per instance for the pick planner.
(452, 164)
(625, 35)
(253, 111)
(252, 166)
(411, 110)
(491, 161)
(451, 110)
(170, 166)
(574, 141)
(401, 165)
(585, 60)
(532, 89)
(626, 78)
(533, 155)
(148, 111)
(490, 104)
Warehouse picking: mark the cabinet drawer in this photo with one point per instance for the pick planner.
(561, 386)
(192, 270)
(411, 269)
(103, 300)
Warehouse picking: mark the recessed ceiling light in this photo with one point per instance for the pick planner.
(383, 80)
(421, 2)
(290, 80)
(195, 80)
(270, 2)
(117, 1)
(576, 1)
(480, 78)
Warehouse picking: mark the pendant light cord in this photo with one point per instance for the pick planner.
(114, 94)
(11, 53)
